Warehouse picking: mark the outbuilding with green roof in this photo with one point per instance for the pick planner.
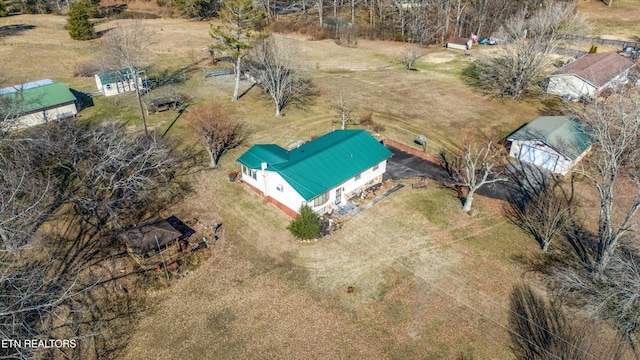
(321, 173)
(38, 102)
(116, 82)
(555, 143)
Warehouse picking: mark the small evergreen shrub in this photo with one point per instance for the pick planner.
(306, 225)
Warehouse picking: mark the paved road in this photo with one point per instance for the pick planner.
(403, 165)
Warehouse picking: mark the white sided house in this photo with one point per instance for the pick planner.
(322, 173)
(116, 82)
(38, 102)
(587, 76)
(555, 143)
(459, 43)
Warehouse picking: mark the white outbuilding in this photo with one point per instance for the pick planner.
(555, 143)
(116, 82)
(459, 43)
(587, 76)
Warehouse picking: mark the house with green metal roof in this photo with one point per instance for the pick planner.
(555, 143)
(37, 103)
(116, 82)
(322, 173)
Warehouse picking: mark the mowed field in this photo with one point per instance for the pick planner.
(430, 282)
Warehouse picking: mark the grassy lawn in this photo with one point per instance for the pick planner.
(430, 281)
(620, 20)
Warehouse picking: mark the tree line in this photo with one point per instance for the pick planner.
(424, 22)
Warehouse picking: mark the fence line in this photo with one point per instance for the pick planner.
(591, 40)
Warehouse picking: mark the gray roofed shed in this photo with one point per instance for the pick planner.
(142, 238)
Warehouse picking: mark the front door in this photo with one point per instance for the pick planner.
(338, 196)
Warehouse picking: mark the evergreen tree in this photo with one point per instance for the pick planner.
(3, 9)
(306, 225)
(80, 28)
(242, 24)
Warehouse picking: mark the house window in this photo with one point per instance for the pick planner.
(321, 199)
(376, 167)
(357, 177)
(279, 187)
(254, 174)
(245, 170)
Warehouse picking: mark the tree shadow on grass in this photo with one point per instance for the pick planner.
(102, 33)
(15, 29)
(470, 76)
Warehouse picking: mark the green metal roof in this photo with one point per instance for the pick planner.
(564, 134)
(321, 164)
(41, 97)
(269, 153)
(110, 77)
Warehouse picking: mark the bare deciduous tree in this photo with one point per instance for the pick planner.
(613, 168)
(124, 48)
(530, 39)
(540, 204)
(474, 167)
(612, 295)
(242, 21)
(10, 108)
(274, 68)
(344, 112)
(25, 195)
(540, 330)
(217, 130)
(116, 172)
(85, 181)
(410, 57)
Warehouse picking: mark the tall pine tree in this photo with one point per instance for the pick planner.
(80, 28)
(242, 26)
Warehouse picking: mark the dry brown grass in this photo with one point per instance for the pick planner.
(619, 21)
(430, 281)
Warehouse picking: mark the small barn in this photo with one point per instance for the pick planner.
(116, 82)
(590, 74)
(323, 173)
(459, 43)
(555, 143)
(39, 102)
(155, 240)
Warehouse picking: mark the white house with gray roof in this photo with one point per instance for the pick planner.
(589, 75)
(555, 143)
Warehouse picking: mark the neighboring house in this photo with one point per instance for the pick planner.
(587, 76)
(156, 240)
(117, 81)
(555, 143)
(38, 102)
(322, 173)
(459, 43)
